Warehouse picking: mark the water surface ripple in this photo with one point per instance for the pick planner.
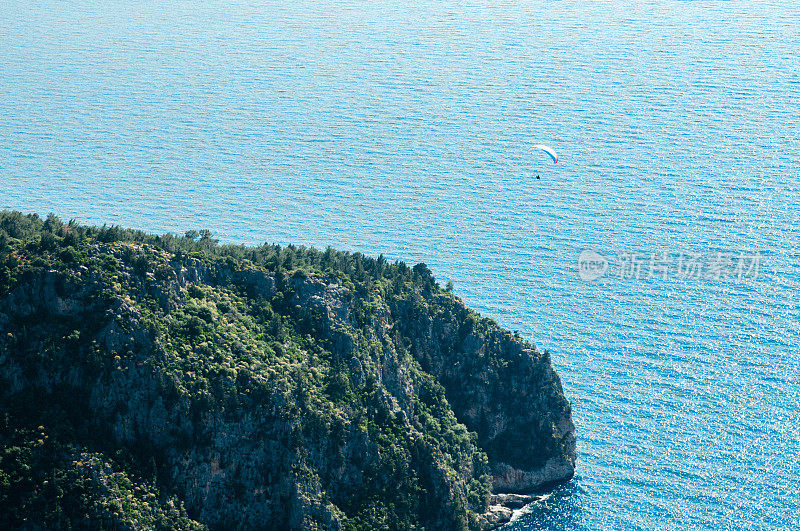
(403, 127)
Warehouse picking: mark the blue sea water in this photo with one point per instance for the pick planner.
(403, 128)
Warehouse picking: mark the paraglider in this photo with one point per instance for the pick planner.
(547, 149)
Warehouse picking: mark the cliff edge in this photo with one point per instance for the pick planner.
(163, 381)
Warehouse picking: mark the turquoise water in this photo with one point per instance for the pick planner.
(403, 128)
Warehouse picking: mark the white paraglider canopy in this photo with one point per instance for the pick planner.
(547, 149)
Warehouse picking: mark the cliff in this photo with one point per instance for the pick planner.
(161, 381)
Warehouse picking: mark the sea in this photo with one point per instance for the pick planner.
(657, 261)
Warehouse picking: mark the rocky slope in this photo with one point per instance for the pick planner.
(170, 382)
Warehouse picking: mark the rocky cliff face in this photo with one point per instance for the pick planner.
(505, 391)
(238, 396)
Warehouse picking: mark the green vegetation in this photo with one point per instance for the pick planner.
(172, 382)
(46, 483)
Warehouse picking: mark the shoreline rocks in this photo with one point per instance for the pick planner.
(503, 508)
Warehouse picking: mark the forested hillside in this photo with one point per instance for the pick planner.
(170, 382)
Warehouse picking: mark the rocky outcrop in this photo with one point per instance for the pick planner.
(505, 391)
(185, 362)
(506, 478)
(512, 501)
(496, 516)
(505, 508)
(519, 411)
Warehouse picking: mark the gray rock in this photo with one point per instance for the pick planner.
(512, 501)
(496, 516)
